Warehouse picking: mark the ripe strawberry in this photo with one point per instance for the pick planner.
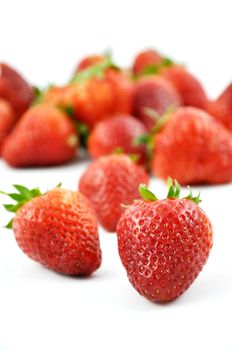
(7, 120)
(153, 93)
(89, 61)
(146, 59)
(99, 91)
(193, 148)
(57, 229)
(164, 244)
(221, 109)
(188, 86)
(119, 131)
(110, 182)
(15, 89)
(44, 136)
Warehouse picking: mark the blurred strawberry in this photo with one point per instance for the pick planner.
(119, 131)
(149, 62)
(193, 148)
(109, 182)
(89, 61)
(7, 120)
(44, 136)
(15, 89)
(153, 94)
(221, 108)
(190, 89)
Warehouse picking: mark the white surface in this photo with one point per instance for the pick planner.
(41, 310)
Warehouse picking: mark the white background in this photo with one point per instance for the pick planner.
(41, 310)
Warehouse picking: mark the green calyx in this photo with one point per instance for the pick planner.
(22, 196)
(160, 122)
(132, 156)
(95, 71)
(174, 190)
(156, 68)
(82, 129)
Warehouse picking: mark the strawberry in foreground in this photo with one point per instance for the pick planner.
(44, 136)
(119, 131)
(221, 108)
(193, 148)
(15, 89)
(164, 244)
(153, 94)
(57, 229)
(7, 120)
(110, 182)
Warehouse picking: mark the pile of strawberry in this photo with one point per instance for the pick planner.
(153, 118)
(156, 110)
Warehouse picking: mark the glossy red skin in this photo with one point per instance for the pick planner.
(163, 246)
(89, 61)
(110, 182)
(193, 148)
(145, 59)
(154, 93)
(7, 120)
(119, 131)
(221, 108)
(189, 87)
(59, 230)
(43, 136)
(15, 89)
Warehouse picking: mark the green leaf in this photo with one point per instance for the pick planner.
(83, 132)
(10, 224)
(96, 70)
(69, 110)
(23, 196)
(173, 188)
(146, 193)
(142, 139)
(24, 191)
(156, 68)
(16, 196)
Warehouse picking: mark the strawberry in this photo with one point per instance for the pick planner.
(164, 244)
(110, 182)
(57, 229)
(221, 108)
(15, 89)
(7, 120)
(89, 61)
(99, 91)
(150, 62)
(153, 93)
(193, 148)
(190, 89)
(119, 131)
(44, 136)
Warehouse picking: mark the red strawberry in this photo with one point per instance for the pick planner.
(110, 182)
(193, 148)
(188, 86)
(146, 59)
(15, 89)
(7, 120)
(44, 136)
(221, 109)
(119, 131)
(57, 229)
(153, 93)
(89, 61)
(164, 244)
